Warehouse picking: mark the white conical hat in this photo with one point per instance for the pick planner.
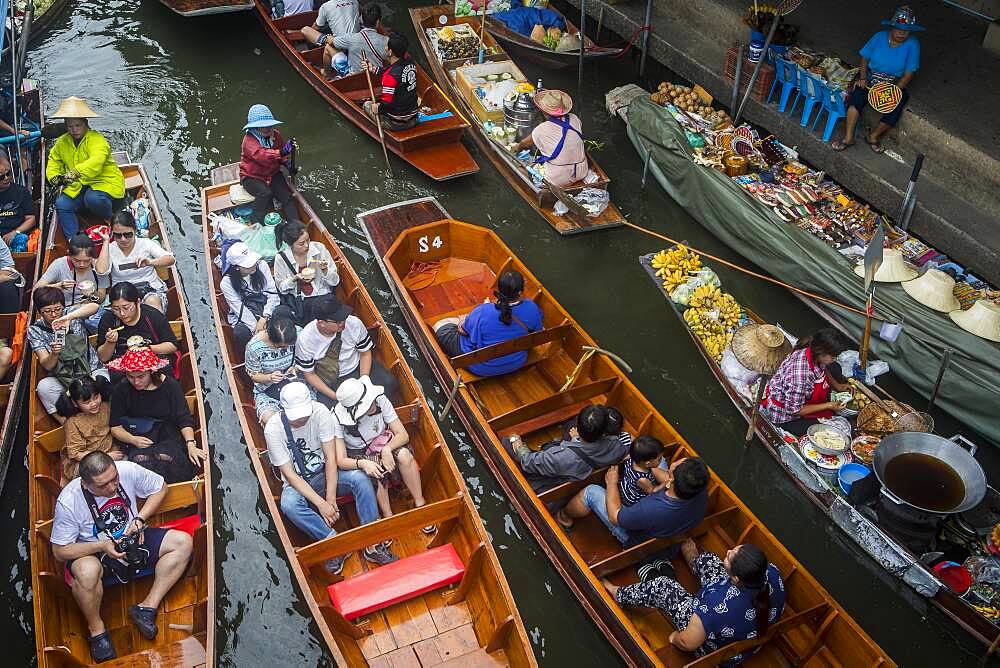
(893, 268)
(74, 107)
(935, 289)
(983, 319)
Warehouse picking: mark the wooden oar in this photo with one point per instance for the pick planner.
(378, 121)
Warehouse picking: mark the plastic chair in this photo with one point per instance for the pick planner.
(785, 73)
(812, 89)
(833, 105)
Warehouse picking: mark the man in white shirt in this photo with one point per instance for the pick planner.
(107, 491)
(301, 443)
(336, 346)
(335, 18)
(280, 8)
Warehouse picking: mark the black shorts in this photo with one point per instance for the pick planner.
(152, 539)
(450, 339)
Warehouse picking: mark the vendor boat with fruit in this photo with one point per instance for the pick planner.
(495, 97)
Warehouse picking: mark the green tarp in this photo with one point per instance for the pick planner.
(971, 387)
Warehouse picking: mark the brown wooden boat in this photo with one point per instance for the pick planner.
(186, 619)
(475, 622)
(12, 387)
(189, 8)
(522, 46)
(458, 264)
(541, 199)
(434, 147)
(45, 13)
(957, 608)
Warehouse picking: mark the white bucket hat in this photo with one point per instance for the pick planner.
(296, 401)
(242, 255)
(893, 268)
(354, 398)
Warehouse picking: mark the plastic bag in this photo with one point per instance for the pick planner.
(140, 211)
(568, 42)
(737, 374)
(705, 276)
(228, 227)
(682, 294)
(594, 200)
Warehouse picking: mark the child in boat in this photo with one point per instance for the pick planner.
(641, 473)
(616, 422)
(86, 406)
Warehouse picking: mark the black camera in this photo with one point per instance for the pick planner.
(136, 555)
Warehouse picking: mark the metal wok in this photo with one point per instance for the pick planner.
(949, 452)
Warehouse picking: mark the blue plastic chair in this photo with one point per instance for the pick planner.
(812, 90)
(785, 73)
(833, 105)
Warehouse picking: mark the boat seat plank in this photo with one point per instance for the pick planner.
(558, 400)
(552, 418)
(568, 489)
(521, 343)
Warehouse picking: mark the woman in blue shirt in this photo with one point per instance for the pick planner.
(508, 318)
(890, 55)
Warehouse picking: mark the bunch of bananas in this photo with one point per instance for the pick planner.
(674, 265)
(713, 316)
(989, 612)
(858, 399)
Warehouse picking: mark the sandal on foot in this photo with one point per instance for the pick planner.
(430, 529)
(838, 145)
(144, 620)
(101, 649)
(665, 568)
(875, 146)
(559, 520)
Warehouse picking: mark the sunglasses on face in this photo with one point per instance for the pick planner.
(123, 235)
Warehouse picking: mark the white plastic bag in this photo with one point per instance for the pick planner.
(737, 374)
(228, 227)
(594, 200)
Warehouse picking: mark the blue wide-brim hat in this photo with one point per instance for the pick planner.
(260, 116)
(904, 19)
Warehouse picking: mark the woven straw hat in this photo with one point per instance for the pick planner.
(893, 268)
(935, 289)
(74, 107)
(983, 319)
(553, 102)
(760, 348)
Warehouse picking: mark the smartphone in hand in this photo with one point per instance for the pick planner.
(59, 336)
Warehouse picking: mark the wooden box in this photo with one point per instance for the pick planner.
(470, 76)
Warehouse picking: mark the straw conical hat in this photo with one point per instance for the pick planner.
(74, 107)
(935, 289)
(893, 268)
(760, 348)
(983, 319)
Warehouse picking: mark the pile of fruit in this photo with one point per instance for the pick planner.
(685, 98)
(713, 316)
(675, 265)
(858, 398)
(456, 43)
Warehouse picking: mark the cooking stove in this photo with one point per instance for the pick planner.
(915, 529)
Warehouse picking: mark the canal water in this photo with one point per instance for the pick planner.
(174, 92)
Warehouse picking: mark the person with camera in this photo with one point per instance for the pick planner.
(104, 539)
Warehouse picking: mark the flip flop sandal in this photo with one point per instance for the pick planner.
(565, 527)
(648, 572)
(875, 146)
(430, 529)
(665, 568)
(838, 145)
(101, 649)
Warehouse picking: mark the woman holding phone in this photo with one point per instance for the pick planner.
(136, 260)
(269, 360)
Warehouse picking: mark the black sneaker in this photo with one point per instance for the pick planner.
(380, 555)
(101, 649)
(648, 572)
(144, 620)
(665, 568)
(336, 565)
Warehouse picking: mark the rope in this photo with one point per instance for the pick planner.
(630, 42)
(805, 293)
(590, 350)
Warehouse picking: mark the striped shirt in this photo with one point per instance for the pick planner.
(628, 485)
(311, 346)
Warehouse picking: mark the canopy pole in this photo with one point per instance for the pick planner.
(15, 87)
(945, 363)
(739, 74)
(756, 409)
(645, 38)
(583, 36)
(756, 69)
(22, 54)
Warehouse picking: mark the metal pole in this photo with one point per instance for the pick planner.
(739, 74)
(645, 38)
(600, 24)
(945, 363)
(583, 36)
(910, 189)
(29, 18)
(15, 87)
(756, 69)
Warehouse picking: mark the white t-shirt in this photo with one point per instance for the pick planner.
(297, 6)
(369, 426)
(340, 17)
(321, 428)
(323, 284)
(311, 346)
(146, 249)
(73, 522)
(62, 269)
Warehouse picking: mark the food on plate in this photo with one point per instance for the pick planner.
(829, 439)
(863, 448)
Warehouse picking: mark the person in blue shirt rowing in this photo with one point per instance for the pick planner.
(893, 56)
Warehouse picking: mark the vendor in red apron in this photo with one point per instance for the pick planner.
(559, 139)
(798, 394)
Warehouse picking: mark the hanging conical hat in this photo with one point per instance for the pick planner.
(74, 107)
(983, 319)
(760, 348)
(893, 268)
(935, 289)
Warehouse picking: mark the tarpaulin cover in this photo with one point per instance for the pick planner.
(971, 387)
(523, 19)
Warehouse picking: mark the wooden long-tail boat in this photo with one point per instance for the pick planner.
(541, 199)
(13, 325)
(434, 146)
(475, 622)
(189, 8)
(522, 46)
(457, 265)
(912, 570)
(186, 618)
(45, 13)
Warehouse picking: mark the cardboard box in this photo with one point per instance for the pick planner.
(470, 77)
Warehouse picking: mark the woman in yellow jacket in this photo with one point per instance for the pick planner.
(81, 162)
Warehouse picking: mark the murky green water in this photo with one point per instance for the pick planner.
(174, 93)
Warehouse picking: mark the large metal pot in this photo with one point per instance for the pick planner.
(521, 114)
(950, 453)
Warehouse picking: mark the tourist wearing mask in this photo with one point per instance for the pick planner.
(136, 260)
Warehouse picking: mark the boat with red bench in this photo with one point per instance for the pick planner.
(446, 599)
(190, 8)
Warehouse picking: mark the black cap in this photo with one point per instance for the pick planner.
(332, 309)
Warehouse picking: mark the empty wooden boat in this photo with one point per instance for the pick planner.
(474, 621)
(189, 8)
(186, 618)
(541, 199)
(12, 325)
(456, 268)
(522, 46)
(433, 146)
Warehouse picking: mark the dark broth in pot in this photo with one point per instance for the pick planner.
(924, 481)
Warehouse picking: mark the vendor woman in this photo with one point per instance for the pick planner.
(559, 139)
(798, 394)
(891, 55)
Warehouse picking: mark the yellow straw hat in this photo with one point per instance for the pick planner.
(760, 348)
(983, 319)
(74, 107)
(893, 268)
(553, 102)
(935, 289)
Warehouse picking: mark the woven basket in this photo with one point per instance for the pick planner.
(873, 420)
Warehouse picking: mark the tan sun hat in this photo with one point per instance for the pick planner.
(935, 289)
(760, 348)
(74, 107)
(553, 102)
(983, 319)
(893, 268)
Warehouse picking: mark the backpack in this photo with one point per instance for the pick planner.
(74, 360)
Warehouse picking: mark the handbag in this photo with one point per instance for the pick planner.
(328, 367)
(294, 301)
(138, 426)
(379, 442)
(73, 361)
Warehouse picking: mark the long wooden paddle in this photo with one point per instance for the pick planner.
(378, 121)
